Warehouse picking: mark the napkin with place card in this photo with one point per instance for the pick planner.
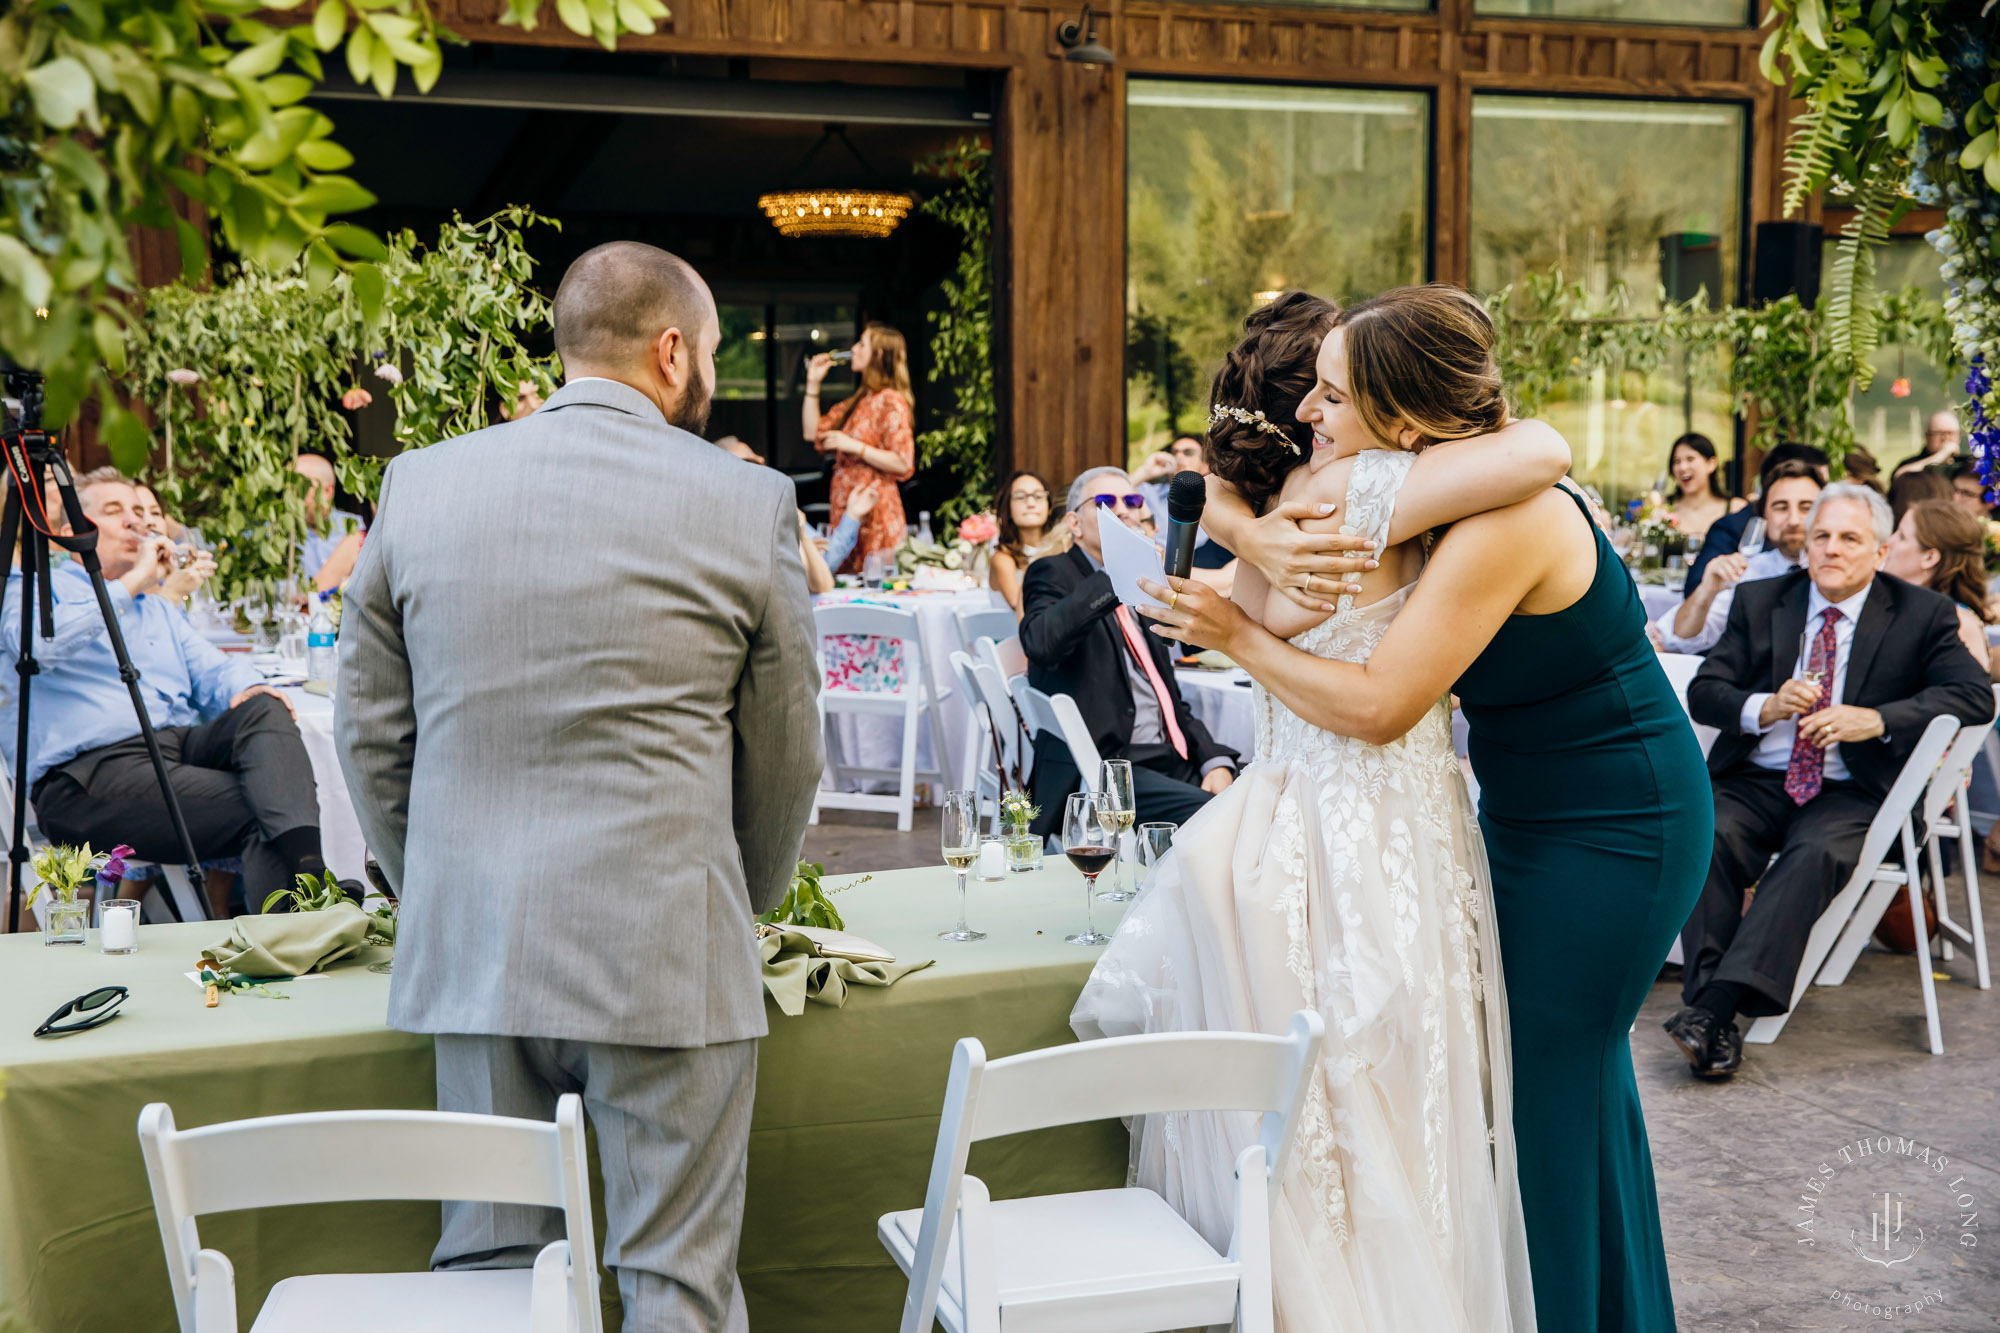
(814, 963)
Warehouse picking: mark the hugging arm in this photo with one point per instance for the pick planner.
(1448, 482)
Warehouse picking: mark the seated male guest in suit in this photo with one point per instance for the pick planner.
(1079, 641)
(585, 765)
(1726, 533)
(1801, 768)
(234, 756)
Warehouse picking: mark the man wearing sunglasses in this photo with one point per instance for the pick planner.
(1079, 641)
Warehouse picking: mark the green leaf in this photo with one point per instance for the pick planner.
(1767, 56)
(360, 53)
(22, 270)
(285, 89)
(110, 340)
(632, 18)
(323, 155)
(1992, 170)
(126, 437)
(357, 241)
(254, 62)
(1812, 22)
(1901, 128)
(329, 22)
(186, 110)
(333, 194)
(322, 267)
(1978, 150)
(575, 15)
(140, 85)
(63, 92)
(193, 247)
(1926, 108)
(382, 69)
(371, 289)
(426, 73)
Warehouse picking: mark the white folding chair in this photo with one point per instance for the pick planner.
(1943, 808)
(986, 736)
(1872, 883)
(1681, 669)
(1004, 655)
(1108, 1261)
(913, 697)
(340, 1156)
(997, 622)
(1058, 715)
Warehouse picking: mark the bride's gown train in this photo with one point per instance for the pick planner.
(1350, 879)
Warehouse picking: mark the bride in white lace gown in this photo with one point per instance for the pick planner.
(1351, 879)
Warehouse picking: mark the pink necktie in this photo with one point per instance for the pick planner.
(1807, 770)
(1130, 624)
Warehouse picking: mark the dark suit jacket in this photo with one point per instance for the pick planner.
(1724, 536)
(1906, 662)
(1074, 647)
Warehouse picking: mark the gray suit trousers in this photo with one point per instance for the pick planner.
(673, 1139)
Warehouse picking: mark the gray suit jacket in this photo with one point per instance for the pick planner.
(577, 714)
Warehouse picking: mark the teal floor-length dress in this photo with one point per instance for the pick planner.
(1599, 823)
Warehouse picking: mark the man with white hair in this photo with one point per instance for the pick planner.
(1820, 685)
(1081, 642)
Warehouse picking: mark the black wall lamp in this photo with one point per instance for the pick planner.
(1078, 39)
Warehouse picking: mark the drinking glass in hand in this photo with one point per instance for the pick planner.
(960, 840)
(1813, 674)
(1115, 784)
(1753, 538)
(1089, 844)
(1155, 841)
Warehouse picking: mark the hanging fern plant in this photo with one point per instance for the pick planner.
(1902, 98)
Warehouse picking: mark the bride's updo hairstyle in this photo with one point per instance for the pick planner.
(1270, 372)
(1422, 357)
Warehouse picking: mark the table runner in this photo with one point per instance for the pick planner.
(847, 1107)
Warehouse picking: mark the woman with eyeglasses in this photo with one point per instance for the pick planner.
(1025, 534)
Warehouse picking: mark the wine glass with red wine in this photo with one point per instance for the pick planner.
(1089, 844)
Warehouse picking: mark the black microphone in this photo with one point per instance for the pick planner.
(1186, 494)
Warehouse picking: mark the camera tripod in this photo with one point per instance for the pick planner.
(30, 451)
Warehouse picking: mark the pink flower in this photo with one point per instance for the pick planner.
(356, 399)
(978, 528)
(387, 371)
(183, 377)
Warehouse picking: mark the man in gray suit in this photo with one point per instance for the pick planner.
(576, 712)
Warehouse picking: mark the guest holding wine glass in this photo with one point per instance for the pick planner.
(1025, 534)
(1938, 545)
(872, 434)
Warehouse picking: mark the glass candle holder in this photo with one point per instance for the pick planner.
(118, 925)
(991, 865)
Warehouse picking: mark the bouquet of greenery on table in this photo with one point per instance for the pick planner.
(954, 556)
(63, 871)
(806, 903)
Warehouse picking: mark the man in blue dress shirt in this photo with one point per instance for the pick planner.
(233, 751)
(327, 558)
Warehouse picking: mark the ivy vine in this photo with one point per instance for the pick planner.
(962, 332)
(245, 376)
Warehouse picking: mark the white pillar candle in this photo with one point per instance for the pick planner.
(118, 932)
(992, 860)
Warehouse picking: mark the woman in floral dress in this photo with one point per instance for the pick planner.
(872, 434)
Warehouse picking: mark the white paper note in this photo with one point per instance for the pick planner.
(1128, 557)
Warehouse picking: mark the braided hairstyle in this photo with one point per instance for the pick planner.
(1270, 371)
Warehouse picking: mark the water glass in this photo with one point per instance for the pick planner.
(1155, 841)
(959, 838)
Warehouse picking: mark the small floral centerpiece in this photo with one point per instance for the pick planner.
(1656, 529)
(978, 529)
(932, 564)
(63, 871)
(1017, 815)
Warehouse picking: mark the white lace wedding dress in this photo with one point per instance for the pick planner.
(1350, 879)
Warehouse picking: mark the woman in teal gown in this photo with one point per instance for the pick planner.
(1595, 802)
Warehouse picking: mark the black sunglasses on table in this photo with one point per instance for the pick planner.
(101, 1006)
(1112, 501)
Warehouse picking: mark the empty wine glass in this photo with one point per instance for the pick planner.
(960, 839)
(1155, 841)
(1088, 843)
(1118, 812)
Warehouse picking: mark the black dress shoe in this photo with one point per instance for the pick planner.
(1725, 1053)
(1693, 1030)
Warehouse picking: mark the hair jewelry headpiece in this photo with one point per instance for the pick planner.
(1218, 413)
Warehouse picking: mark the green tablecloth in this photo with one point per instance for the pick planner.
(847, 1107)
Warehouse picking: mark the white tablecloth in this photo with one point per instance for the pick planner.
(1223, 705)
(339, 831)
(877, 742)
(1658, 598)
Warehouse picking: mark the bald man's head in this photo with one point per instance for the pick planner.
(636, 314)
(319, 471)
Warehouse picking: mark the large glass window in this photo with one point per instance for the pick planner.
(1616, 194)
(1235, 192)
(1714, 13)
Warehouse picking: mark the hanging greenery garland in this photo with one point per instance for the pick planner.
(244, 377)
(962, 333)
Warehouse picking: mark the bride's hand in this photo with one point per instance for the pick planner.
(1195, 613)
(1311, 568)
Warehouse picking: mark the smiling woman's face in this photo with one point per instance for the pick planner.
(1337, 428)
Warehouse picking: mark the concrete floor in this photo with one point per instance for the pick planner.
(1737, 1162)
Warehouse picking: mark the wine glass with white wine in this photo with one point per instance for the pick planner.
(959, 836)
(1118, 811)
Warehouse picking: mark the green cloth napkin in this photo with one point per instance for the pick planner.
(795, 971)
(291, 944)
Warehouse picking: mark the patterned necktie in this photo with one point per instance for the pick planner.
(1130, 624)
(1807, 771)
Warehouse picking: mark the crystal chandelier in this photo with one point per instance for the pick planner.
(865, 210)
